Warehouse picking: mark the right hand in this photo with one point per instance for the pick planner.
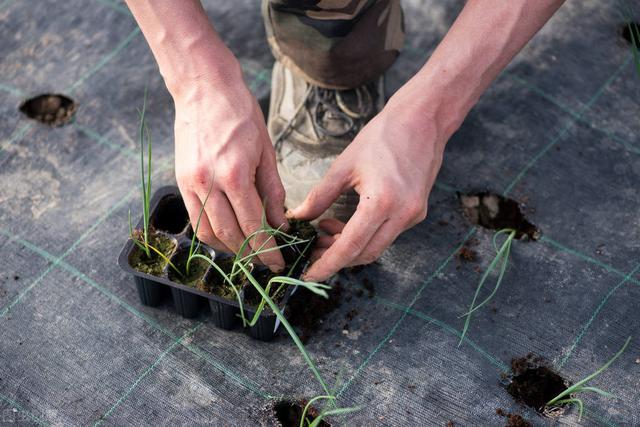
(222, 146)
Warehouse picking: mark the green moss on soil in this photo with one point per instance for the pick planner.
(154, 264)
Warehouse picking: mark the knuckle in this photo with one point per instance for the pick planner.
(222, 234)
(232, 177)
(250, 226)
(199, 177)
(353, 247)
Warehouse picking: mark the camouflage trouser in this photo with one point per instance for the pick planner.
(338, 44)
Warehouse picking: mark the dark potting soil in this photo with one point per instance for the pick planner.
(306, 311)
(262, 276)
(154, 264)
(495, 212)
(513, 420)
(466, 254)
(50, 109)
(533, 382)
(197, 268)
(215, 284)
(626, 32)
(303, 230)
(288, 413)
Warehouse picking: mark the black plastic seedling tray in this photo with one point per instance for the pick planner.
(169, 217)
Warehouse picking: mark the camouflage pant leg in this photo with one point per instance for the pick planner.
(338, 44)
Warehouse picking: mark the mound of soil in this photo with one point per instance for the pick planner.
(533, 382)
(50, 109)
(495, 212)
(306, 310)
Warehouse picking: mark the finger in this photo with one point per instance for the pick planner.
(331, 225)
(324, 242)
(248, 209)
(204, 233)
(354, 238)
(271, 190)
(322, 196)
(384, 237)
(223, 221)
(316, 254)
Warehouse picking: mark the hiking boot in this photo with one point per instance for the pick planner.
(310, 126)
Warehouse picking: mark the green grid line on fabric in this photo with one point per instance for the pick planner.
(95, 136)
(19, 408)
(595, 313)
(245, 382)
(488, 356)
(396, 325)
(565, 129)
(535, 89)
(144, 374)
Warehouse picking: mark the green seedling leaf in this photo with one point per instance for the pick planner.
(502, 256)
(193, 248)
(565, 396)
(289, 329)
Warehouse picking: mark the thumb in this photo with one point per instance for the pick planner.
(322, 196)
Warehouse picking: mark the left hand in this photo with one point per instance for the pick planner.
(392, 164)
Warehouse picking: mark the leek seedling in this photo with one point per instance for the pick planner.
(566, 396)
(502, 258)
(193, 248)
(141, 238)
(305, 422)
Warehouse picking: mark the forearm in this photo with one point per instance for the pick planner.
(189, 52)
(480, 44)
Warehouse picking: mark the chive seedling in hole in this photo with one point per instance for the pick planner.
(502, 259)
(155, 248)
(567, 397)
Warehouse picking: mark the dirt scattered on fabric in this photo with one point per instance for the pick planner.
(626, 32)
(16, 277)
(451, 424)
(513, 420)
(50, 109)
(533, 382)
(288, 414)
(495, 212)
(306, 311)
(467, 254)
(368, 286)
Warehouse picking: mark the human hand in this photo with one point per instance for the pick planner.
(392, 164)
(223, 150)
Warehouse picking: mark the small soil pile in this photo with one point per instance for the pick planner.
(52, 110)
(513, 420)
(533, 382)
(495, 212)
(288, 414)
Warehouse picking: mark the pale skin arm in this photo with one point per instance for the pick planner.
(394, 160)
(221, 139)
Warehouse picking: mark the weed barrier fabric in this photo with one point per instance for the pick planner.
(557, 132)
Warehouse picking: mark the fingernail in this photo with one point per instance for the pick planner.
(276, 268)
(288, 213)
